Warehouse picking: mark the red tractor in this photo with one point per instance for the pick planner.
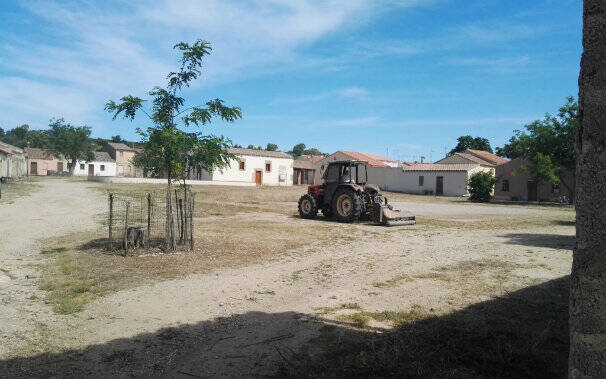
(346, 196)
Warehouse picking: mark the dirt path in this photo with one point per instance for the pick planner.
(59, 207)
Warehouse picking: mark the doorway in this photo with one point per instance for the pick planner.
(532, 190)
(439, 185)
(34, 168)
(59, 167)
(258, 177)
(91, 170)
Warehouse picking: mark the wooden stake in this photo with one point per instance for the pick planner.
(191, 221)
(148, 217)
(126, 228)
(111, 218)
(180, 220)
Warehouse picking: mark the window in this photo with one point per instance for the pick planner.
(121, 153)
(267, 166)
(102, 168)
(505, 186)
(81, 166)
(332, 174)
(242, 165)
(421, 180)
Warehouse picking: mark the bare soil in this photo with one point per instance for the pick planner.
(263, 284)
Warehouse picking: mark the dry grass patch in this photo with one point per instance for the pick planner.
(395, 318)
(21, 188)
(345, 306)
(393, 282)
(222, 200)
(79, 272)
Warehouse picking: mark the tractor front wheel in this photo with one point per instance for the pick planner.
(308, 207)
(346, 205)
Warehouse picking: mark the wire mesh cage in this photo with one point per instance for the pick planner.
(150, 219)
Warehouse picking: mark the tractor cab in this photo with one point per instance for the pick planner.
(346, 172)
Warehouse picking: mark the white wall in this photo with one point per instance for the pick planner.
(110, 168)
(397, 180)
(253, 164)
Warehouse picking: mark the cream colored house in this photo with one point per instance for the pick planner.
(271, 168)
(123, 156)
(40, 162)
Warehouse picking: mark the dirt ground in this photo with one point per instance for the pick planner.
(241, 318)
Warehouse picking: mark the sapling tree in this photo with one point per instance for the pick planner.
(172, 144)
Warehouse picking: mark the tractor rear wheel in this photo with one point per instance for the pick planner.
(346, 205)
(308, 207)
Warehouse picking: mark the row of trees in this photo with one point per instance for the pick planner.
(547, 145)
(297, 150)
(60, 139)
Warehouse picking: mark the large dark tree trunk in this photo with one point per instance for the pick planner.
(588, 278)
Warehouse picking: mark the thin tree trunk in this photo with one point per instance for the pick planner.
(588, 277)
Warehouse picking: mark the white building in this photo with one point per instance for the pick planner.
(271, 168)
(374, 161)
(427, 178)
(102, 165)
(13, 163)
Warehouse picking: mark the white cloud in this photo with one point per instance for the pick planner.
(23, 101)
(347, 93)
(105, 50)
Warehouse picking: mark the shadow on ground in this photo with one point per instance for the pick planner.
(523, 334)
(554, 241)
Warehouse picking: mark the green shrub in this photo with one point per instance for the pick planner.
(481, 185)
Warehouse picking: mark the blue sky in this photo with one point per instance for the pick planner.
(400, 78)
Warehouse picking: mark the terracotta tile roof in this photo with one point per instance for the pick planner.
(137, 150)
(259, 153)
(380, 158)
(313, 158)
(475, 159)
(440, 167)
(36, 153)
(371, 159)
(5, 151)
(120, 146)
(485, 155)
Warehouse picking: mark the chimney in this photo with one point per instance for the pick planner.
(422, 159)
